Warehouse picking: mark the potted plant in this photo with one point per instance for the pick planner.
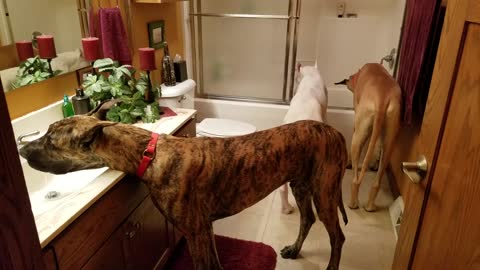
(33, 70)
(118, 82)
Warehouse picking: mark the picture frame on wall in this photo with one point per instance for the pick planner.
(156, 34)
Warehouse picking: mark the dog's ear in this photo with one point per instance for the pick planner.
(299, 65)
(100, 112)
(88, 137)
(344, 81)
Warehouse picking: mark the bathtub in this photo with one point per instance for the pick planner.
(264, 116)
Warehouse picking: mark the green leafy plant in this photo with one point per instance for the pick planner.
(132, 108)
(114, 81)
(33, 70)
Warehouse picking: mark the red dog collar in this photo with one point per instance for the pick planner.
(148, 155)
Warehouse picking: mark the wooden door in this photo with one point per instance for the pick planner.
(450, 233)
(146, 239)
(425, 203)
(19, 243)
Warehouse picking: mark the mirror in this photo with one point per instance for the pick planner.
(24, 20)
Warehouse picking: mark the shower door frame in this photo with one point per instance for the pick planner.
(291, 40)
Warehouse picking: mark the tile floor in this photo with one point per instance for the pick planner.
(370, 241)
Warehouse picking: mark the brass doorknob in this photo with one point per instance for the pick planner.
(416, 171)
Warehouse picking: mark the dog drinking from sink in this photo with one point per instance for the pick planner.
(195, 181)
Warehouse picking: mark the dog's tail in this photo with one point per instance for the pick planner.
(377, 124)
(342, 208)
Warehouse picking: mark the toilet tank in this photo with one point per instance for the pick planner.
(179, 96)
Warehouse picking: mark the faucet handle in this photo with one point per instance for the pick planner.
(20, 138)
(389, 58)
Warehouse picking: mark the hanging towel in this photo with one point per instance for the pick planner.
(113, 35)
(417, 32)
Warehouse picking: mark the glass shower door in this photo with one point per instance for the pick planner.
(243, 49)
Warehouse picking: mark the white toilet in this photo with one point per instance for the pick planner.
(217, 127)
(182, 96)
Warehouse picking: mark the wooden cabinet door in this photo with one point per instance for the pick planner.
(450, 233)
(109, 256)
(418, 199)
(188, 130)
(146, 241)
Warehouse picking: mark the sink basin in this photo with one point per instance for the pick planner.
(46, 190)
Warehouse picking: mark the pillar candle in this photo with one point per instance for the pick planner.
(147, 59)
(24, 50)
(91, 47)
(46, 47)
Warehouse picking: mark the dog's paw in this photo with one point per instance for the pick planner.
(371, 208)
(353, 205)
(289, 252)
(287, 209)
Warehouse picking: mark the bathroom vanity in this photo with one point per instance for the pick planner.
(110, 222)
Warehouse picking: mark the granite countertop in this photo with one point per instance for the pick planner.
(51, 223)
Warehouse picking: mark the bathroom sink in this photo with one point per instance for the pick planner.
(46, 190)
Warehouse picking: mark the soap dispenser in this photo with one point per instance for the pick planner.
(67, 107)
(81, 102)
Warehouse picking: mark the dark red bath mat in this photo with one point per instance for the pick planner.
(234, 254)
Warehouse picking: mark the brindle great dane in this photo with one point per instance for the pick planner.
(195, 181)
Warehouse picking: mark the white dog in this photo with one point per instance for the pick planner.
(309, 103)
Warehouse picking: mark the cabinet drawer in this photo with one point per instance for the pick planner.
(90, 231)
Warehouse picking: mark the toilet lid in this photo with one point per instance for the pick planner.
(217, 127)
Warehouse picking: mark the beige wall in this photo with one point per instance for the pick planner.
(56, 17)
(142, 14)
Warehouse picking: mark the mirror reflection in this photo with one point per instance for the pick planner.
(39, 39)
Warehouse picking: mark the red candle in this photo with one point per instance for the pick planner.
(90, 48)
(147, 59)
(24, 50)
(46, 47)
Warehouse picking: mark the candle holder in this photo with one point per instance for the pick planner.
(149, 95)
(49, 60)
(94, 71)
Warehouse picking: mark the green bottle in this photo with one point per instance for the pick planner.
(67, 107)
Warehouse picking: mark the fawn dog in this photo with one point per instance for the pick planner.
(377, 104)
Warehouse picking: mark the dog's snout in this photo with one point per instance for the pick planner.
(25, 152)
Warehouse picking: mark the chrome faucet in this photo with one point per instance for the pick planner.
(20, 138)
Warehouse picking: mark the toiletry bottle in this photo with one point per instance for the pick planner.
(167, 65)
(81, 102)
(148, 115)
(67, 107)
